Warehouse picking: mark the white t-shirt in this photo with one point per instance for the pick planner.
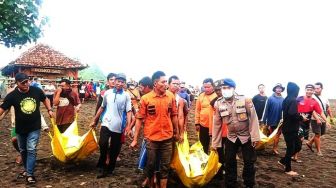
(98, 90)
(324, 101)
(82, 89)
(49, 89)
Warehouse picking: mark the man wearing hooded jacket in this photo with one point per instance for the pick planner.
(290, 127)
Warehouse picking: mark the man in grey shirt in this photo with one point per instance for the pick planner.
(116, 106)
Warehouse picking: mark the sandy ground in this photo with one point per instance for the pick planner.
(315, 171)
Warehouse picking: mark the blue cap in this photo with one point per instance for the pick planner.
(229, 82)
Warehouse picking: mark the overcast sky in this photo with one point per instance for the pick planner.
(251, 42)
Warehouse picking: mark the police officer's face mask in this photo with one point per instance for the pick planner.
(227, 93)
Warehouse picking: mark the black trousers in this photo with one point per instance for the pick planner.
(204, 138)
(113, 148)
(249, 157)
(221, 157)
(293, 144)
(51, 98)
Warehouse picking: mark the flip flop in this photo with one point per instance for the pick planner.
(31, 179)
(281, 165)
(310, 147)
(21, 175)
(275, 152)
(297, 160)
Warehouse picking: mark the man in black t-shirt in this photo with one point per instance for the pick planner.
(259, 101)
(26, 102)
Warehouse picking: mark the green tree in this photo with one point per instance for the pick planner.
(20, 22)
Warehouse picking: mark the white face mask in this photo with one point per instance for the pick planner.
(132, 87)
(227, 93)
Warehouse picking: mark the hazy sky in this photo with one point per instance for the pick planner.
(251, 42)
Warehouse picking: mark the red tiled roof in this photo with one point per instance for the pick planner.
(43, 55)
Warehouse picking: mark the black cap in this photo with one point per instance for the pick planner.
(310, 86)
(20, 77)
(218, 83)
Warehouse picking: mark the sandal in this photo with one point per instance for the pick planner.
(31, 179)
(21, 175)
(297, 160)
(281, 165)
(145, 183)
(275, 152)
(310, 147)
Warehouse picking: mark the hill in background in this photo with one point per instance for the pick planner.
(92, 72)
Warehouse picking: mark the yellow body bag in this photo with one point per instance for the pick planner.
(69, 146)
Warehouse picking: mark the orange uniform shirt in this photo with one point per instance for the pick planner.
(156, 112)
(224, 130)
(204, 111)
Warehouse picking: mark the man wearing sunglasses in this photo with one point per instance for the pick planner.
(26, 102)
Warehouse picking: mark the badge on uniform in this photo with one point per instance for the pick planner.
(225, 113)
(242, 116)
(240, 103)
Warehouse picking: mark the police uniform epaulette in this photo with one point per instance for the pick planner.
(239, 96)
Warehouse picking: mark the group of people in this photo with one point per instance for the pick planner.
(223, 119)
(90, 89)
(298, 115)
(25, 99)
(226, 122)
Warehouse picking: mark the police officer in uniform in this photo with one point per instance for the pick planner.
(238, 113)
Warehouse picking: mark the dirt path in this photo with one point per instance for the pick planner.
(317, 171)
